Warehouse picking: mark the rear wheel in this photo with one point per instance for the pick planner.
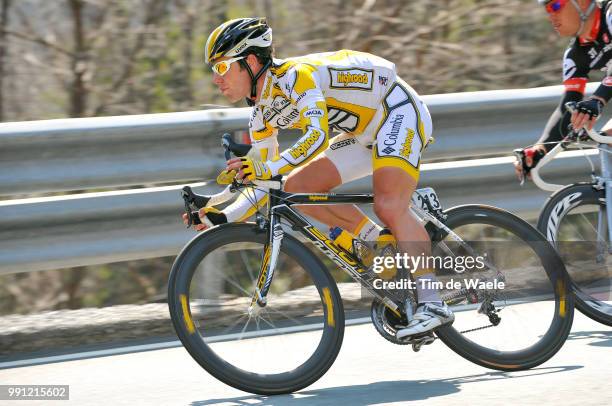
(574, 221)
(515, 326)
(279, 348)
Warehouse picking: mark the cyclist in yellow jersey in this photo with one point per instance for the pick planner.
(383, 126)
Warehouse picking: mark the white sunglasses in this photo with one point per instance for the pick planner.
(222, 67)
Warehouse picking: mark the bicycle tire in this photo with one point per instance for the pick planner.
(555, 210)
(561, 324)
(264, 384)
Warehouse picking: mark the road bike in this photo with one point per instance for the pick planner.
(576, 220)
(256, 305)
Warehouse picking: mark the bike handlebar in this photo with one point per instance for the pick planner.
(594, 135)
(535, 175)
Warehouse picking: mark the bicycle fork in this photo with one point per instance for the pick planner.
(606, 167)
(268, 264)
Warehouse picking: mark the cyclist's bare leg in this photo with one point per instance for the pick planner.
(393, 188)
(321, 176)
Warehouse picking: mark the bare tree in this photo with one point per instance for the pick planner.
(138, 56)
(4, 21)
(81, 52)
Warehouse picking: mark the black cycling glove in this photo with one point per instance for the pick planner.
(592, 107)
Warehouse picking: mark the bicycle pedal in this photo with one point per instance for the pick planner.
(423, 338)
(418, 342)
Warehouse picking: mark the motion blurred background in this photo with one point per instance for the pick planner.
(85, 58)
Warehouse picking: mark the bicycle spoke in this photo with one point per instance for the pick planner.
(244, 329)
(231, 326)
(247, 266)
(237, 286)
(287, 317)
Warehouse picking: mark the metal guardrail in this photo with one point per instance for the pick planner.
(93, 228)
(103, 152)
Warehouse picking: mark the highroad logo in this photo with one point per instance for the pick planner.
(351, 78)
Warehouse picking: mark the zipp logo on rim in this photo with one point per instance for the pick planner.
(557, 212)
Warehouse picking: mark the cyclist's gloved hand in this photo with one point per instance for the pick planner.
(208, 216)
(533, 155)
(592, 107)
(226, 177)
(252, 169)
(527, 158)
(587, 111)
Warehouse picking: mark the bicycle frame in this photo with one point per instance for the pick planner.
(603, 181)
(280, 207)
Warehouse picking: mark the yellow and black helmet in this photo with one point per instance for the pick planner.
(238, 37)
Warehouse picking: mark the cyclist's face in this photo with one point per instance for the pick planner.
(564, 17)
(235, 84)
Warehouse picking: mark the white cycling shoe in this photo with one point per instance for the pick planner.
(428, 317)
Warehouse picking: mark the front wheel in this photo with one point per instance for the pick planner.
(574, 221)
(509, 327)
(281, 347)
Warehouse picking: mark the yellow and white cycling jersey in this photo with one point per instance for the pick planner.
(382, 121)
(351, 92)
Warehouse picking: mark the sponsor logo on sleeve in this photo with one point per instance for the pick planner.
(354, 78)
(569, 68)
(301, 149)
(314, 113)
(300, 97)
(575, 84)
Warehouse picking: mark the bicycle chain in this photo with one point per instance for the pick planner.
(476, 329)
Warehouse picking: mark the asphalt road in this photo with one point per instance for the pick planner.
(368, 371)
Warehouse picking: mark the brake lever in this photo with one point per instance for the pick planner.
(520, 155)
(191, 206)
(225, 142)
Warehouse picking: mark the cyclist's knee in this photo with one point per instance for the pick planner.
(390, 208)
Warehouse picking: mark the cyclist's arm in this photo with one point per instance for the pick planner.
(302, 86)
(264, 141)
(556, 127)
(575, 77)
